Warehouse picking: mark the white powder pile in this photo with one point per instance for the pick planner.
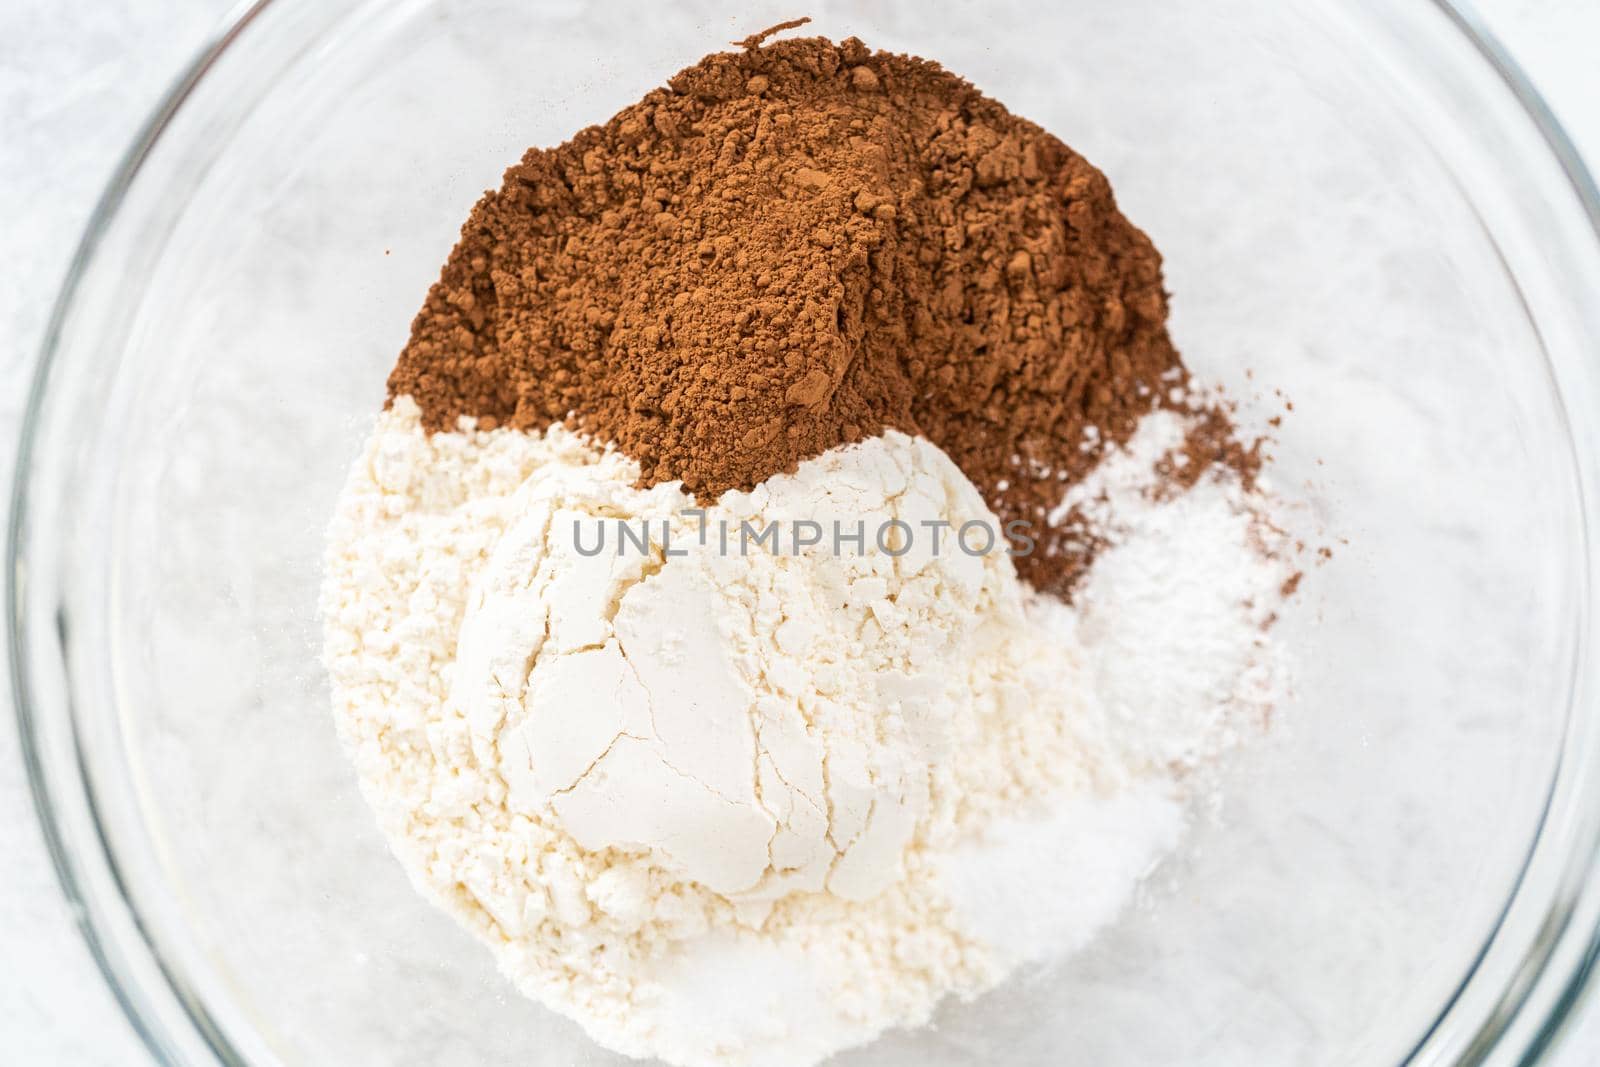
(728, 807)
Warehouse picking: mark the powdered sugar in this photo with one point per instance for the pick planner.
(1041, 884)
(1175, 616)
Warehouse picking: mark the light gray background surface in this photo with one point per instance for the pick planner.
(77, 77)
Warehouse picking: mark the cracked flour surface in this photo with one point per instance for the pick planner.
(726, 808)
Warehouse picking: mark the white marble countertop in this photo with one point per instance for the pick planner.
(76, 78)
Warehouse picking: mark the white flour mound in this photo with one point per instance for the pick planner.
(737, 808)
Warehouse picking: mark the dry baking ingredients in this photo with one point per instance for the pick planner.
(794, 578)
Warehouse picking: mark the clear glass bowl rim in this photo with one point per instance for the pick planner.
(1564, 975)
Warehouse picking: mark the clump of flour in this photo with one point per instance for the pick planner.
(729, 807)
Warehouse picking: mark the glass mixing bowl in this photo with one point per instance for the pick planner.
(1361, 206)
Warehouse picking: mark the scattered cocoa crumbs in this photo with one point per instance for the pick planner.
(799, 245)
(1211, 442)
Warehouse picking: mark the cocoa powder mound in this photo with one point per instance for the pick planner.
(796, 246)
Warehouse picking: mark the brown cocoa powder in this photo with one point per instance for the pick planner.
(796, 246)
